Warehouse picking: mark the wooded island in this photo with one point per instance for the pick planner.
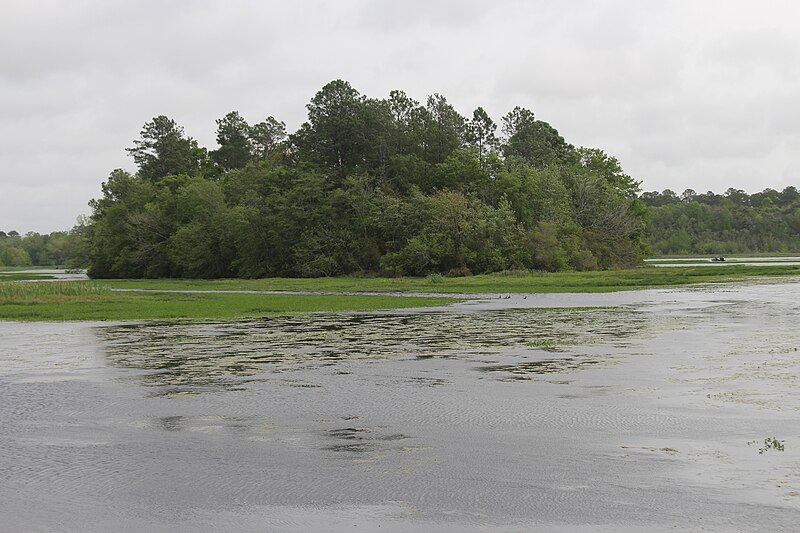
(364, 186)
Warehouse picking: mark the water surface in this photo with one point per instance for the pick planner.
(645, 409)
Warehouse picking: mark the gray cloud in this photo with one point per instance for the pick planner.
(685, 94)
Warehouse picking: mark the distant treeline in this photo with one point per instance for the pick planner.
(733, 222)
(60, 248)
(387, 186)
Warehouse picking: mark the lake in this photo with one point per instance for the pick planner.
(657, 410)
(728, 261)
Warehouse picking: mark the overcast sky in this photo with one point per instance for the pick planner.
(687, 94)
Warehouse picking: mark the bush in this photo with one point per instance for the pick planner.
(435, 278)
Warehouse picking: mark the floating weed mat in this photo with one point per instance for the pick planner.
(20, 291)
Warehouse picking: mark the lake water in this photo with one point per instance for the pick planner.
(652, 410)
(729, 261)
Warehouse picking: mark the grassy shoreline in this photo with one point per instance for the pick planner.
(91, 301)
(97, 300)
(514, 282)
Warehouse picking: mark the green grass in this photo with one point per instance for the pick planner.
(95, 300)
(56, 290)
(514, 282)
(78, 300)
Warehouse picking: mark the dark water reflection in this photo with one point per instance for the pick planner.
(632, 416)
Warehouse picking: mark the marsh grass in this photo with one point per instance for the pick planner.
(78, 300)
(544, 343)
(95, 300)
(30, 291)
(505, 282)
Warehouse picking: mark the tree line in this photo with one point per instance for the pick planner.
(388, 186)
(731, 223)
(56, 249)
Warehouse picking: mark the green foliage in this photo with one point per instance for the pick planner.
(60, 248)
(14, 256)
(235, 147)
(435, 278)
(364, 186)
(731, 223)
(163, 150)
(533, 141)
(480, 134)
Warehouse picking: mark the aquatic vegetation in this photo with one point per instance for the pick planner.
(770, 443)
(223, 355)
(542, 343)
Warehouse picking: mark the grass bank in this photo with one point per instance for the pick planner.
(513, 282)
(96, 300)
(82, 300)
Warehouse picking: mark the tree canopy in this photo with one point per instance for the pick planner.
(728, 223)
(365, 185)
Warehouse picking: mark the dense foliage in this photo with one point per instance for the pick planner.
(364, 186)
(734, 222)
(60, 248)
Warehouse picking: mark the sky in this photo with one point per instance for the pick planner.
(699, 94)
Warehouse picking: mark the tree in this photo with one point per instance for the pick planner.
(789, 195)
(444, 129)
(333, 134)
(460, 235)
(128, 229)
(201, 245)
(737, 196)
(608, 168)
(406, 162)
(14, 256)
(480, 133)
(611, 224)
(533, 141)
(266, 137)
(235, 147)
(163, 150)
(460, 171)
